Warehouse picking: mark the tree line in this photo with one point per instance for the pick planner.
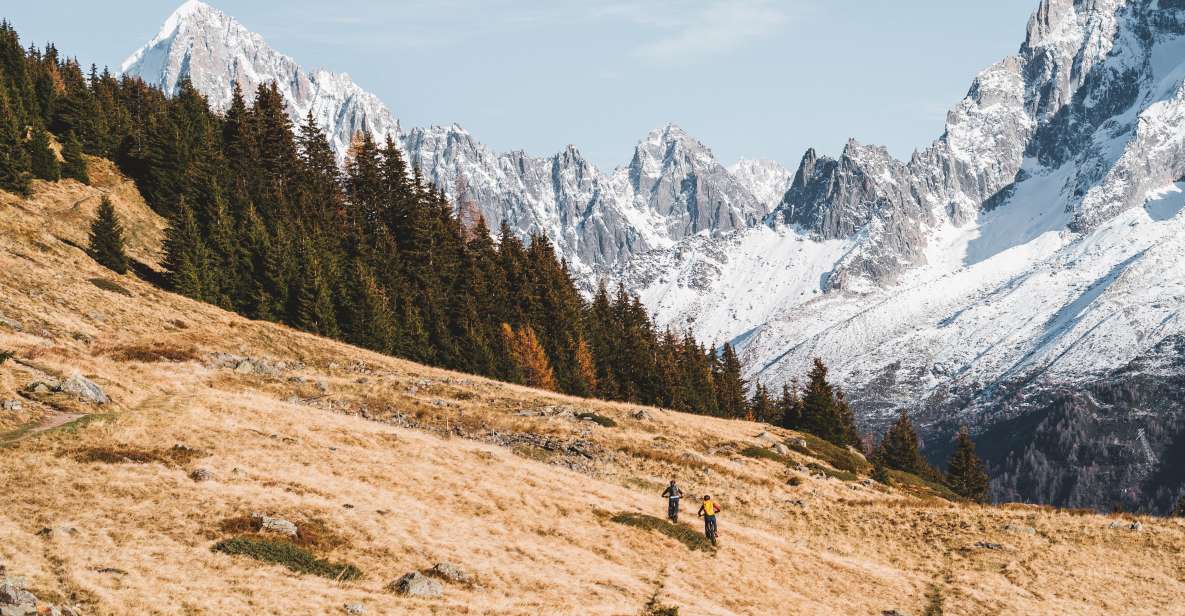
(265, 222)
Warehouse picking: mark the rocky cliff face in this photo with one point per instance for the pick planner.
(672, 188)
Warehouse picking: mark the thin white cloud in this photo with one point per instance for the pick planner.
(688, 31)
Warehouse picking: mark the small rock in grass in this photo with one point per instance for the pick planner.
(279, 526)
(201, 474)
(781, 449)
(450, 573)
(416, 584)
(355, 608)
(13, 406)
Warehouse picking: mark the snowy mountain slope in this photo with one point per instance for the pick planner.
(673, 187)
(1031, 254)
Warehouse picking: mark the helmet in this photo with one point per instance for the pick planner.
(706, 497)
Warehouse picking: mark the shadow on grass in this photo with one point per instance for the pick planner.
(694, 540)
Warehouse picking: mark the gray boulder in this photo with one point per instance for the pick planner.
(84, 389)
(12, 406)
(781, 449)
(416, 584)
(201, 474)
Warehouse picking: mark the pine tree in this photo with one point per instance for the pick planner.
(899, 448)
(846, 420)
(529, 356)
(1179, 510)
(730, 385)
(14, 158)
(880, 473)
(74, 166)
(186, 256)
(819, 414)
(42, 161)
(761, 408)
(371, 322)
(316, 312)
(790, 406)
(965, 473)
(106, 239)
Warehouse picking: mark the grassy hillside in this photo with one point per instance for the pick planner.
(388, 467)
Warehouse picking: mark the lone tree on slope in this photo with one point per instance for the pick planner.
(106, 239)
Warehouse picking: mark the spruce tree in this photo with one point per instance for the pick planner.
(42, 161)
(186, 256)
(1179, 510)
(880, 473)
(846, 420)
(819, 416)
(74, 165)
(106, 239)
(14, 157)
(316, 312)
(790, 406)
(761, 409)
(899, 448)
(965, 473)
(730, 384)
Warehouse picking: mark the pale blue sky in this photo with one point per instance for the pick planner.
(750, 78)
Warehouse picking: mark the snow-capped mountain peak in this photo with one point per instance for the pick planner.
(214, 51)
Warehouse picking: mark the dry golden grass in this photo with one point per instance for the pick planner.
(392, 467)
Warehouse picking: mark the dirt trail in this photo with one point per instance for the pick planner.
(55, 419)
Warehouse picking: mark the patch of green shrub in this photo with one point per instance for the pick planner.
(600, 420)
(841, 458)
(762, 453)
(912, 483)
(831, 472)
(684, 534)
(287, 554)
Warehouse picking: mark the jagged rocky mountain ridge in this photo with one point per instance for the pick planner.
(672, 188)
(1020, 275)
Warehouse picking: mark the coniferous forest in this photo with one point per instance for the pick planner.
(264, 222)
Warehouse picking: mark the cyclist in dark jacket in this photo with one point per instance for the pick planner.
(672, 493)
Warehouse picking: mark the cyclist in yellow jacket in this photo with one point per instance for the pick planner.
(708, 510)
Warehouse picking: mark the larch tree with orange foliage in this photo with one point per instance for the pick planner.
(529, 356)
